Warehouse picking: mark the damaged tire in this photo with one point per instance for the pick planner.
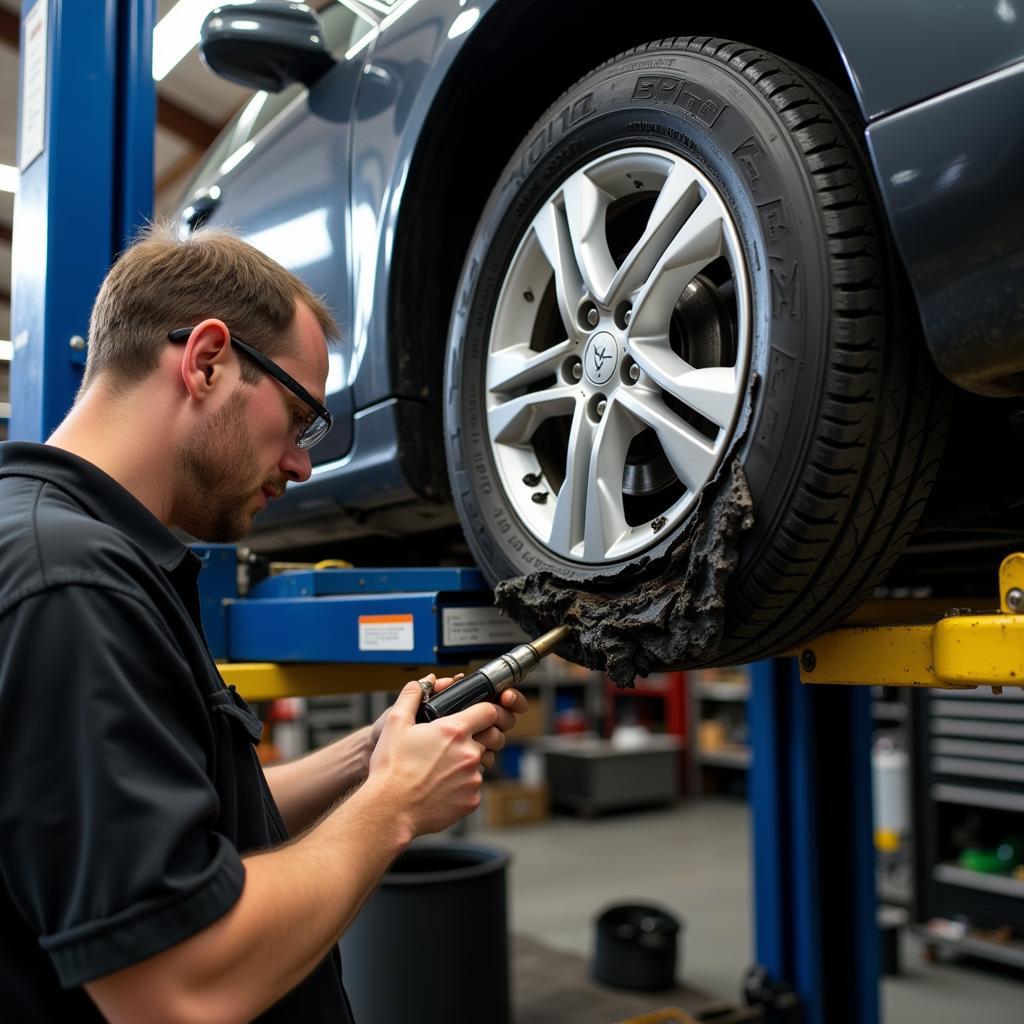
(684, 273)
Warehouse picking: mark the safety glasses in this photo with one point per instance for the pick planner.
(318, 426)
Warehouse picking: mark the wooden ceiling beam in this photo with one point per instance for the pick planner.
(9, 28)
(195, 130)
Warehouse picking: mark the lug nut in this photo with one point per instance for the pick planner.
(626, 317)
(577, 370)
(634, 373)
(593, 316)
(600, 408)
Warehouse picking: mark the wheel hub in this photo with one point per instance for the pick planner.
(601, 358)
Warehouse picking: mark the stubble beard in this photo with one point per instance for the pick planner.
(218, 477)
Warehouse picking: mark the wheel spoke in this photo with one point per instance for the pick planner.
(606, 516)
(712, 390)
(552, 233)
(678, 199)
(690, 455)
(519, 366)
(589, 506)
(585, 208)
(515, 421)
(697, 243)
(568, 522)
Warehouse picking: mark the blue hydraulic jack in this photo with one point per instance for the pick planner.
(83, 192)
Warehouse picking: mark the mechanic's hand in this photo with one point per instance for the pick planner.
(378, 726)
(493, 739)
(432, 769)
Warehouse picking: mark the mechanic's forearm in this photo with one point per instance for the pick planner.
(296, 902)
(304, 789)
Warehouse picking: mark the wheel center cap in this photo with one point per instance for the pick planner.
(600, 358)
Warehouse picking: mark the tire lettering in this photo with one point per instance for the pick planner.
(779, 382)
(785, 289)
(780, 373)
(774, 219)
(559, 125)
(679, 93)
(769, 420)
(749, 155)
(641, 65)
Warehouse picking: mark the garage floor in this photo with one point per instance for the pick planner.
(694, 860)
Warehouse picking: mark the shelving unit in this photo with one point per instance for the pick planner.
(657, 701)
(968, 770)
(718, 713)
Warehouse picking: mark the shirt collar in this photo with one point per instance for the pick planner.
(101, 495)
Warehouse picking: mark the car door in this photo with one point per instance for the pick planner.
(279, 177)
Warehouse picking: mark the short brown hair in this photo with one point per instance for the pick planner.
(163, 281)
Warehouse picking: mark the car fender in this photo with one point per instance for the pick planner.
(415, 47)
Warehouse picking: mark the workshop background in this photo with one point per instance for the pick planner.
(609, 796)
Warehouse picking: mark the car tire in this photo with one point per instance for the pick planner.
(840, 419)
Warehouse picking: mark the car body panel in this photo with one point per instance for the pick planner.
(412, 56)
(279, 200)
(900, 53)
(955, 203)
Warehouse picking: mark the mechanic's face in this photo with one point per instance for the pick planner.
(245, 455)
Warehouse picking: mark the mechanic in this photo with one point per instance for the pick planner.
(151, 871)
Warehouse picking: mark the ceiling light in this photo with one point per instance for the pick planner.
(177, 32)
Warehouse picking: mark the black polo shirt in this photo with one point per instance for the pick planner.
(129, 786)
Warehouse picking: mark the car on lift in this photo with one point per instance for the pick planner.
(584, 264)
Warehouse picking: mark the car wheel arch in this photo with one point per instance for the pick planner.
(442, 203)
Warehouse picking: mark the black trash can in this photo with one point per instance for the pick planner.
(636, 947)
(431, 944)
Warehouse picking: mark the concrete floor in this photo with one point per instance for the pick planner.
(695, 860)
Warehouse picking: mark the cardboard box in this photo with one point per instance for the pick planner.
(532, 722)
(513, 803)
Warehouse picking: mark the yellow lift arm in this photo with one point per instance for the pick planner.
(962, 650)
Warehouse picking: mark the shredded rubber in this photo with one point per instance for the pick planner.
(655, 615)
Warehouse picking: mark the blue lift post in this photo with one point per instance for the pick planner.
(814, 858)
(87, 190)
(83, 195)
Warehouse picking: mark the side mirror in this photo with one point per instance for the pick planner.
(265, 44)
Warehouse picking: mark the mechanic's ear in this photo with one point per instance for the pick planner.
(207, 353)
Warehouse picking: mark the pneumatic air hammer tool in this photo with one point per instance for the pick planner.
(488, 682)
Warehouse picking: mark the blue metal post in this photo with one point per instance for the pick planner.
(83, 195)
(814, 876)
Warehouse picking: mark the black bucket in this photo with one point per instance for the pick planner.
(636, 947)
(431, 944)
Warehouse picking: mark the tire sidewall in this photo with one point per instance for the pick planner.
(696, 107)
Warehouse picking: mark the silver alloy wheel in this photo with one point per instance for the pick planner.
(618, 355)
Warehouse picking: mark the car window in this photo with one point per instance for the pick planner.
(343, 28)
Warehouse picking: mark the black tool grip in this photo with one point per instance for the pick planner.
(474, 689)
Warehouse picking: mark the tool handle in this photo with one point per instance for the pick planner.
(473, 689)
